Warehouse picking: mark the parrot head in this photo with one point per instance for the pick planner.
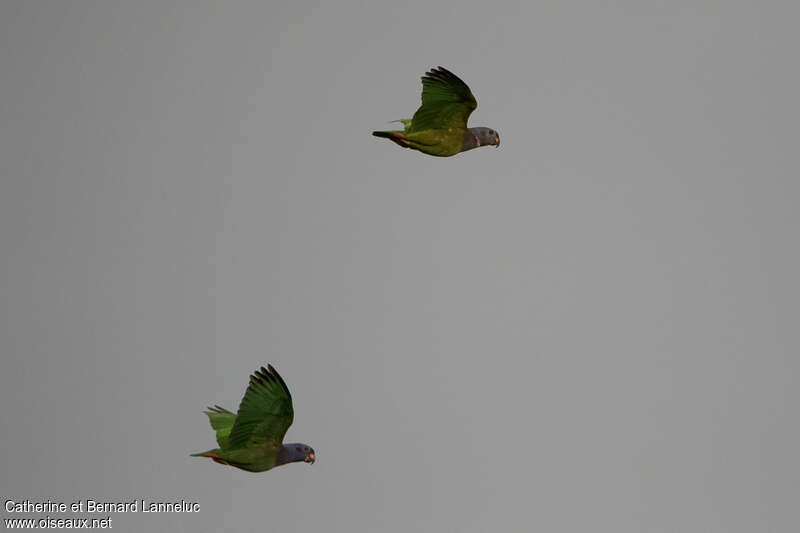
(486, 136)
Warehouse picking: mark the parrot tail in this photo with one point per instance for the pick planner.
(213, 455)
(209, 453)
(394, 136)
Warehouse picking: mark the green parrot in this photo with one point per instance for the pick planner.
(252, 439)
(439, 126)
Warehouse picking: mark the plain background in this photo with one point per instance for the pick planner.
(592, 328)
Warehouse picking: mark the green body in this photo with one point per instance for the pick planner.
(253, 458)
(439, 126)
(253, 438)
(436, 142)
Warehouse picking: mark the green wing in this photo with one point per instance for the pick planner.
(265, 412)
(446, 102)
(406, 122)
(221, 421)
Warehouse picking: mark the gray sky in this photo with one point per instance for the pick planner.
(591, 328)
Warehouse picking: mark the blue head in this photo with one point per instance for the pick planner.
(295, 452)
(476, 137)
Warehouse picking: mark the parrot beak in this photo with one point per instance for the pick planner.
(310, 458)
(497, 142)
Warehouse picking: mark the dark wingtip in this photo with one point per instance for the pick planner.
(269, 375)
(441, 74)
(259, 376)
(280, 379)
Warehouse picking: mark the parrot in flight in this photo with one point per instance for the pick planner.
(439, 127)
(252, 439)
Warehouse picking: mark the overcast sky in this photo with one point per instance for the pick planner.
(592, 328)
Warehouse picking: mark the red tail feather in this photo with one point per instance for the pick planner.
(394, 136)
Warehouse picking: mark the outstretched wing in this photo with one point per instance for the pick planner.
(265, 412)
(446, 102)
(221, 421)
